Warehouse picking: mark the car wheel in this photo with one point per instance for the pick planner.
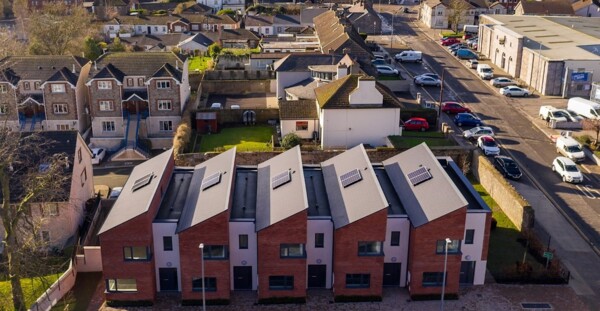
(564, 178)
(553, 168)
(459, 123)
(423, 129)
(525, 95)
(438, 85)
(508, 95)
(422, 84)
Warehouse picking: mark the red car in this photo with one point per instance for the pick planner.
(454, 107)
(416, 124)
(449, 41)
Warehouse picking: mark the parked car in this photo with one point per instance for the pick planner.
(216, 106)
(449, 41)
(409, 56)
(456, 45)
(98, 155)
(477, 132)
(386, 70)
(416, 124)
(502, 82)
(507, 167)
(427, 80)
(467, 119)
(454, 107)
(488, 145)
(514, 91)
(567, 170)
(378, 61)
(466, 54)
(472, 63)
(428, 74)
(115, 192)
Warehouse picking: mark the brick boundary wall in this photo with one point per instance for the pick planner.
(518, 210)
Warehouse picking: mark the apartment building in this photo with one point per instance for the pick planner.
(282, 227)
(44, 92)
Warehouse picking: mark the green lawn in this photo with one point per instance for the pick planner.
(32, 289)
(504, 249)
(199, 63)
(411, 139)
(255, 138)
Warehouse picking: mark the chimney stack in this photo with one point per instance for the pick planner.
(342, 71)
(74, 69)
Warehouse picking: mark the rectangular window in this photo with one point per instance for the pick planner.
(62, 127)
(292, 251)
(370, 248)
(301, 125)
(121, 285)
(26, 86)
(164, 104)
(215, 252)
(3, 88)
(319, 240)
(281, 282)
(140, 81)
(46, 236)
(358, 280)
(106, 105)
(395, 240)
(83, 177)
(167, 243)
(243, 240)
(58, 88)
(453, 247)
(133, 253)
(60, 108)
(469, 236)
(432, 279)
(37, 85)
(129, 82)
(49, 209)
(108, 126)
(4, 109)
(165, 126)
(163, 84)
(210, 284)
(104, 85)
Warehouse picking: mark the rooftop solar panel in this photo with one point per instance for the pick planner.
(419, 175)
(211, 180)
(281, 179)
(350, 178)
(142, 182)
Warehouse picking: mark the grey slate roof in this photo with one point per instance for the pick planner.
(301, 61)
(430, 199)
(304, 89)
(318, 205)
(64, 75)
(275, 205)
(307, 15)
(286, 20)
(141, 94)
(202, 204)
(358, 200)
(244, 194)
(118, 65)
(173, 200)
(131, 204)
(298, 109)
(39, 67)
(170, 39)
(395, 205)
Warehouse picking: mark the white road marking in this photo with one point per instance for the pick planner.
(589, 192)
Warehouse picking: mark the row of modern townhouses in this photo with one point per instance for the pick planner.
(121, 96)
(282, 227)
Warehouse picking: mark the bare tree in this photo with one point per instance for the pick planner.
(593, 125)
(25, 186)
(9, 44)
(58, 29)
(457, 10)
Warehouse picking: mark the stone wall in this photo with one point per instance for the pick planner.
(506, 196)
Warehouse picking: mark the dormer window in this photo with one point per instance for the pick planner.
(104, 85)
(326, 76)
(37, 85)
(3, 88)
(58, 88)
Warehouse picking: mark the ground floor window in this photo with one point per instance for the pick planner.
(358, 280)
(165, 126)
(108, 126)
(210, 284)
(121, 285)
(431, 279)
(301, 125)
(62, 127)
(278, 282)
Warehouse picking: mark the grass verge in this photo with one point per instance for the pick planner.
(33, 288)
(411, 139)
(255, 138)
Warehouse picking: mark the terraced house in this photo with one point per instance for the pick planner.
(137, 96)
(44, 93)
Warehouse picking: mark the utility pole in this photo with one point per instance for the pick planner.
(441, 99)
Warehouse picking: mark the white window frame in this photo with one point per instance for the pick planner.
(3, 109)
(166, 123)
(108, 126)
(164, 104)
(3, 88)
(58, 88)
(60, 108)
(62, 127)
(106, 105)
(105, 85)
(163, 84)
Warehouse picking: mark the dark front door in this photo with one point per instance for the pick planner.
(168, 279)
(467, 272)
(242, 278)
(317, 276)
(149, 30)
(391, 274)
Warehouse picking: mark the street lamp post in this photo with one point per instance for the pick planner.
(201, 246)
(448, 241)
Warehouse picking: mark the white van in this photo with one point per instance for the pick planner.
(409, 56)
(485, 71)
(584, 107)
(471, 28)
(570, 148)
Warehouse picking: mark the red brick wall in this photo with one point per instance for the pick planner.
(290, 230)
(214, 231)
(135, 232)
(423, 257)
(346, 259)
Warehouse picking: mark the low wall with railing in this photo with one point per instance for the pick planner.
(56, 292)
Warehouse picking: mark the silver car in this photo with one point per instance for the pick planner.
(427, 81)
(502, 82)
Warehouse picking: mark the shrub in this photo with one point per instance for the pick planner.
(290, 141)
(181, 139)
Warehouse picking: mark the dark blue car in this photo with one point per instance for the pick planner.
(467, 119)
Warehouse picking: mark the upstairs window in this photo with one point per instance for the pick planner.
(4, 109)
(60, 108)
(58, 88)
(319, 240)
(163, 84)
(243, 241)
(453, 247)
(370, 248)
(3, 88)
(104, 85)
(106, 105)
(26, 86)
(395, 239)
(469, 236)
(136, 253)
(37, 85)
(167, 243)
(215, 252)
(164, 104)
(49, 209)
(292, 251)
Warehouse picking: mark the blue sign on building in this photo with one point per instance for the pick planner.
(579, 76)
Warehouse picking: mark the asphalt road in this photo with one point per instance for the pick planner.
(515, 131)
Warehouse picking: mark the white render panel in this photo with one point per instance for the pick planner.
(289, 126)
(398, 254)
(119, 127)
(184, 89)
(288, 78)
(472, 252)
(366, 94)
(162, 258)
(351, 127)
(243, 257)
(320, 256)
